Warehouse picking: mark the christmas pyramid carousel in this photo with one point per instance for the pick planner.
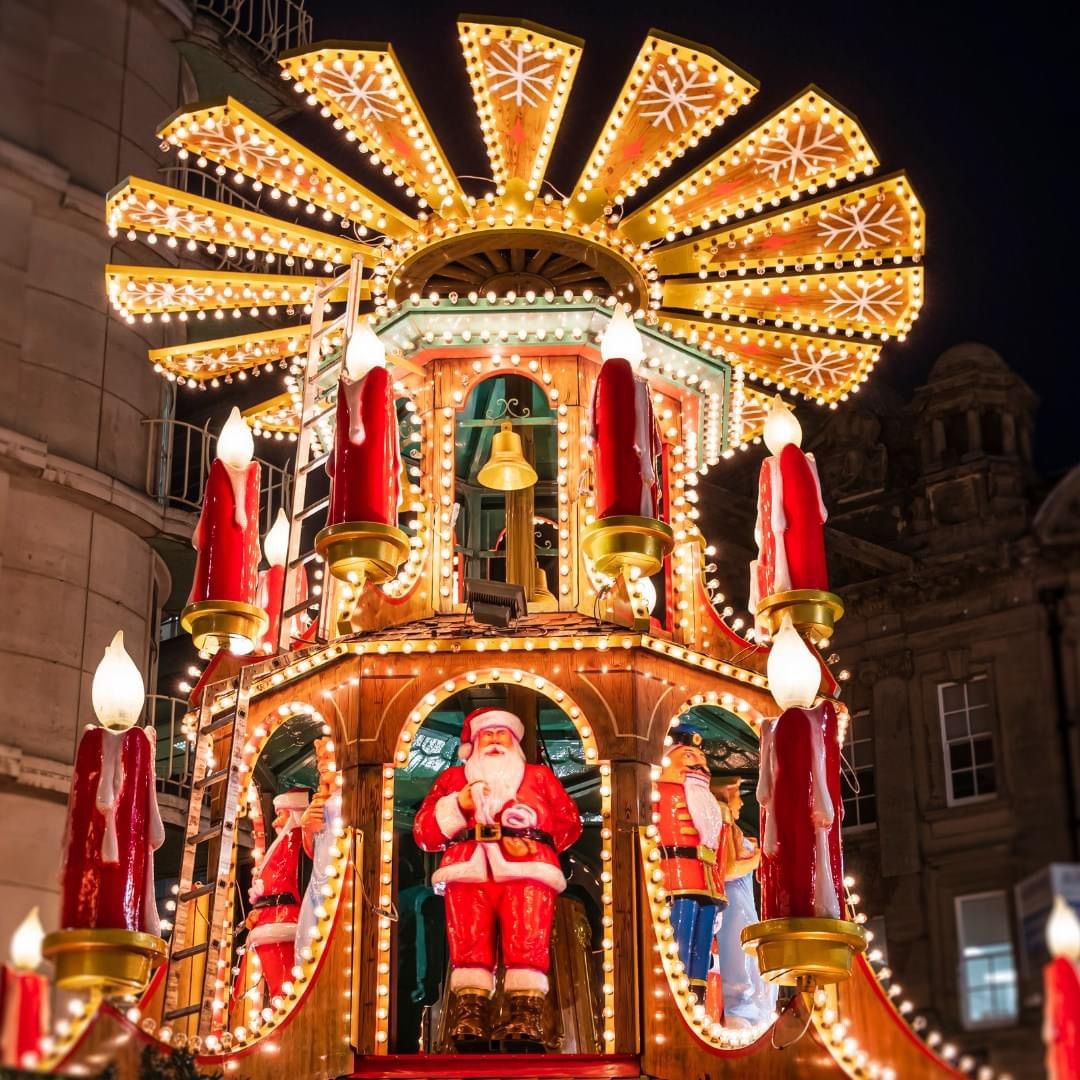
(488, 779)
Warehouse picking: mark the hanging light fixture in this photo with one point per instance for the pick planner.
(507, 469)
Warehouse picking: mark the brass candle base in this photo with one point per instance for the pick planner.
(356, 551)
(224, 624)
(812, 611)
(804, 952)
(110, 961)
(618, 544)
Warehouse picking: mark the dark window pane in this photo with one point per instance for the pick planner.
(868, 810)
(956, 725)
(984, 751)
(978, 692)
(866, 781)
(960, 755)
(986, 781)
(952, 697)
(979, 719)
(963, 785)
(847, 789)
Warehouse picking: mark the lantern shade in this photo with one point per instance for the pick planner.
(236, 444)
(117, 692)
(794, 671)
(507, 469)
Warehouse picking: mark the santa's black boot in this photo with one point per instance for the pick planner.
(470, 1031)
(522, 1030)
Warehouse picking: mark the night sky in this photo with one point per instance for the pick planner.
(969, 104)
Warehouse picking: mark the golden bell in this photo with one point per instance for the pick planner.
(543, 599)
(507, 469)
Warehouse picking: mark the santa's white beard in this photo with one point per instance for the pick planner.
(704, 810)
(502, 769)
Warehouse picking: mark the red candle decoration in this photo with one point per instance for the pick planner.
(113, 823)
(1061, 985)
(24, 997)
(791, 515)
(227, 534)
(626, 440)
(365, 465)
(271, 592)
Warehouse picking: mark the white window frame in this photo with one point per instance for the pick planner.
(1000, 1021)
(862, 826)
(964, 800)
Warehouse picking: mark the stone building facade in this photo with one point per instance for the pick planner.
(960, 572)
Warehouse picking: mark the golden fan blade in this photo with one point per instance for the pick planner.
(521, 74)
(808, 143)
(148, 207)
(231, 134)
(875, 223)
(676, 93)
(362, 86)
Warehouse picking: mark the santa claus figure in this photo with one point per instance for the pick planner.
(365, 465)
(695, 849)
(799, 790)
(790, 526)
(501, 823)
(226, 537)
(626, 439)
(113, 823)
(275, 898)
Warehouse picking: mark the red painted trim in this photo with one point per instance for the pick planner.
(452, 1066)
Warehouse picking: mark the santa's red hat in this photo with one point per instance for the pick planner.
(294, 800)
(482, 720)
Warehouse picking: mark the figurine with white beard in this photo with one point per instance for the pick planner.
(695, 840)
(501, 823)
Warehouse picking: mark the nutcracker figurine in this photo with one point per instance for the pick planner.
(361, 539)
(275, 898)
(803, 935)
(626, 535)
(221, 611)
(501, 823)
(110, 933)
(695, 850)
(789, 575)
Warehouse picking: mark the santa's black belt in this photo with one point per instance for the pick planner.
(275, 900)
(486, 833)
(674, 851)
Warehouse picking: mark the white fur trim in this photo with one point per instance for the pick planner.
(272, 933)
(474, 869)
(448, 815)
(291, 800)
(496, 718)
(472, 978)
(522, 978)
(502, 869)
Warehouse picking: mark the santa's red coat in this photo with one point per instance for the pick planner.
(227, 542)
(365, 465)
(800, 783)
(107, 876)
(440, 817)
(683, 874)
(278, 874)
(626, 443)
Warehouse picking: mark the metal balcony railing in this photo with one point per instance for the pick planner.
(268, 26)
(175, 755)
(178, 463)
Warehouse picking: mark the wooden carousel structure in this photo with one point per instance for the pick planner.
(477, 354)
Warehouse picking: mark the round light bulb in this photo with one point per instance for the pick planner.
(236, 444)
(364, 351)
(781, 427)
(648, 593)
(1063, 930)
(793, 670)
(276, 541)
(26, 942)
(117, 692)
(621, 339)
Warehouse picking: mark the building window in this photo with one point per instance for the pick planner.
(968, 739)
(857, 776)
(988, 989)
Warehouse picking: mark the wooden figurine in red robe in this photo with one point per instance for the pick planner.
(222, 612)
(113, 830)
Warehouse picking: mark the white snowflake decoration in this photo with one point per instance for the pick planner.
(800, 156)
(865, 300)
(240, 152)
(670, 91)
(518, 73)
(869, 226)
(367, 100)
(817, 364)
